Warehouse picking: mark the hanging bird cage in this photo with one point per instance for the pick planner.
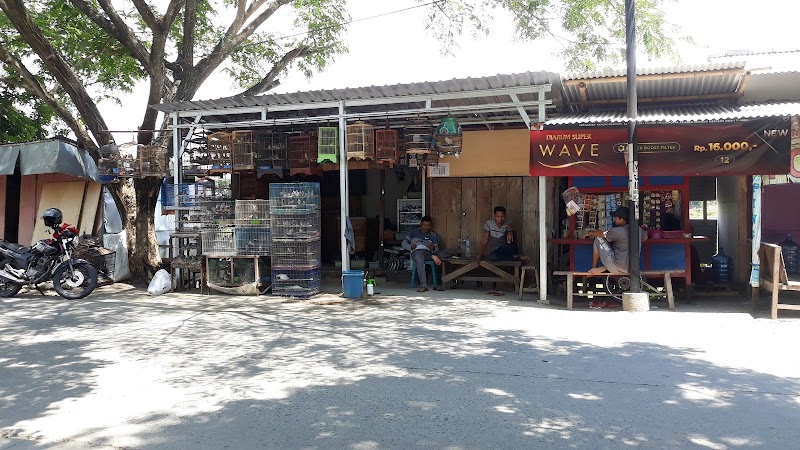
(242, 154)
(449, 137)
(152, 160)
(327, 144)
(420, 145)
(360, 141)
(219, 150)
(386, 145)
(303, 153)
(271, 150)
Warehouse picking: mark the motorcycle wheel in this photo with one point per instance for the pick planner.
(7, 288)
(83, 283)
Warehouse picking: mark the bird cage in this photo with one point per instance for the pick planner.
(360, 141)
(152, 160)
(109, 162)
(252, 212)
(219, 150)
(242, 155)
(327, 144)
(420, 145)
(386, 145)
(303, 153)
(449, 138)
(271, 150)
(218, 242)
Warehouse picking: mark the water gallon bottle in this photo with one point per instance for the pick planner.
(722, 267)
(791, 254)
(466, 248)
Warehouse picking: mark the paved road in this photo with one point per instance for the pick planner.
(122, 370)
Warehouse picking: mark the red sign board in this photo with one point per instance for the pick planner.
(753, 147)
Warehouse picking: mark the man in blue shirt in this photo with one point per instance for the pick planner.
(424, 246)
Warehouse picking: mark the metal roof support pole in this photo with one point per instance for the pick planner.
(176, 179)
(521, 110)
(542, 218)
(344, 189)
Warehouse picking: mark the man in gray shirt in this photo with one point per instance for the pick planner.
(424, 246)
(612, 247)
(498, 242)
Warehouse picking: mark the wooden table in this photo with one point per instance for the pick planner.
(464, 273)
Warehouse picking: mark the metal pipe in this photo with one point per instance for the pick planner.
(343, 189)
(542, 240)
(633, 157)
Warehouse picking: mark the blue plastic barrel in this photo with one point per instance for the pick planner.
(353, 283)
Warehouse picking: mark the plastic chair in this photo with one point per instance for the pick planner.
(414, 272)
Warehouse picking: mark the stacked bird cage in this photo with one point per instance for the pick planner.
(303, 154)
(386, 146)
(242, 155)
(271, 150)
(152, 160)
(295, 222)
(253, 236)
(360, 141)
(219, 150)
(327, 144)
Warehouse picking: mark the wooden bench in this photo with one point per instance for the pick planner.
(470, 265)
(665, 274)
(773, 276)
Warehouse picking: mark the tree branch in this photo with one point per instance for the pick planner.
(55, 63)
(116, 27)
(186, 59)
(31, 84)
(270, 80)
(233, 38)
(147, 14)
(173, 9)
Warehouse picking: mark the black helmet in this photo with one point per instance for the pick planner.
(52, 217)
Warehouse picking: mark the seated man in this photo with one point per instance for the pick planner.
(612, 247)
(424, 246)
(498, 239)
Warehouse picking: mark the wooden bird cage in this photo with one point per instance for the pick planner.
(271, 149)
(242, 155)
(327, 144)
(303, 154)
(360, 141)
(387, 145)
(219, 150)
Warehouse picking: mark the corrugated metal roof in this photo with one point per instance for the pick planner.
(715, 66)
(371, 92)
(708, 112)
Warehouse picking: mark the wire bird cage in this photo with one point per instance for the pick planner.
(301, 227)
(219, 150)
(287, 252)
(152, 160)
(217, 212)
(293, 198)
(360, 141)
(242, 155)
(327, 144)
(289, 282)
(218, 241)
(420, 146)
(253, 234)
(303, 153)
(271, 149)
(252, 213)
(386, 145)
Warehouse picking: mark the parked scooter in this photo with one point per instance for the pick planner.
(48, 259)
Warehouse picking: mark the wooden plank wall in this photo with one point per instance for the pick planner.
(460, 206)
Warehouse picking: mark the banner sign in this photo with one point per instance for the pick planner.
(757, 146)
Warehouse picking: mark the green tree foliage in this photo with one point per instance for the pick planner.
(592, 31)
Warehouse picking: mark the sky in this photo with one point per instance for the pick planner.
(397, 49)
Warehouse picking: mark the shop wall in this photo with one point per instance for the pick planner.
(460, 206)
(395, 189)
(492, 153)
(780, 215)
(30, 195)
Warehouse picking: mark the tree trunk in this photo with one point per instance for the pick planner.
(137, 205)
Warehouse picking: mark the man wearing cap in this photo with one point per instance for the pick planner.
(611, 248)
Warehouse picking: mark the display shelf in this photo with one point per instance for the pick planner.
(238, 275)
(409, 213)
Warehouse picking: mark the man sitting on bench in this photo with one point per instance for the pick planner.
(498, 239)
(611, 248)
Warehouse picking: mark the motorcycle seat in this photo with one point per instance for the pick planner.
(16, 248)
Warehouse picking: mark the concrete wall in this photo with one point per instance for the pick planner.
(504, 153)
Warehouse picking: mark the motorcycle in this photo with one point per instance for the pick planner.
(48, 259)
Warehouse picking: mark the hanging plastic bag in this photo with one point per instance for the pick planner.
(573, 200)
(160, 284)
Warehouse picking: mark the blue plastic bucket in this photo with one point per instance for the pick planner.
(353, 283)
